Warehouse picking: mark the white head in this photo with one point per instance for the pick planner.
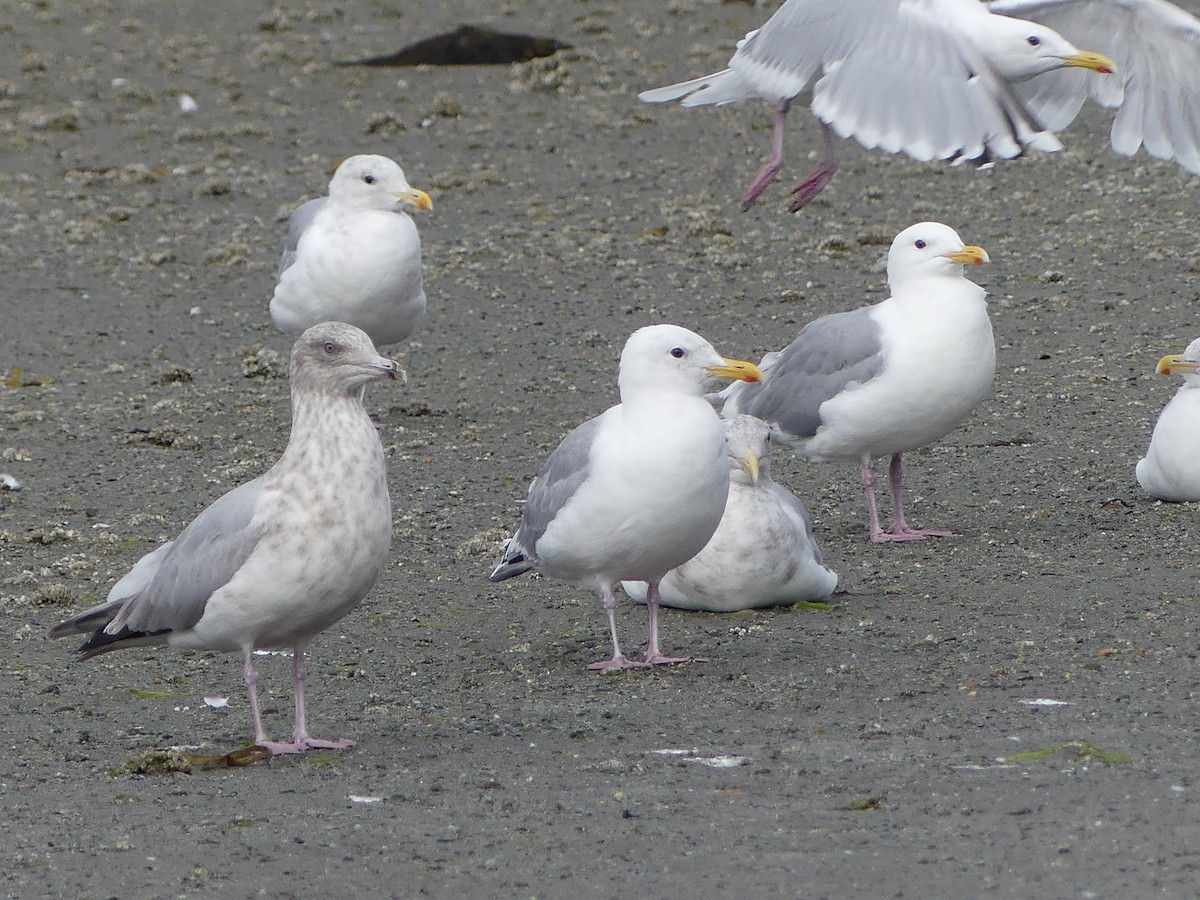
(1186, 364)
(336, 358)
(670, 358)
(748, 442)
(929, 249)
(375, 182)
(1020, 49)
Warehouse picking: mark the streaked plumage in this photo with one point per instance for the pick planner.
(279, 559)
(763, 553)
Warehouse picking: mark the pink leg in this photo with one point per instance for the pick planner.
(619, 661)
(653, 656)
(774, 162)
(900, 527)
(868, 480)
(816, 180)
(250, 676)
(301, 740)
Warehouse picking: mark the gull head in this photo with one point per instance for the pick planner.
(671, 358)
(928, 249)
(375, 182)
(748, 442)
(1020, 50)
(1186, 363)
(334, 357)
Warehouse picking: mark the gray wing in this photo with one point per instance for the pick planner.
(790, 500)
(898, 76)
(204, 558)
(1156, 89)
(830, 355)
(297, 225)
(135, 580)
(565, 470)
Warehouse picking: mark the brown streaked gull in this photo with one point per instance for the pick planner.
(276, 561)
(355, 255)
(1170, 470)
(934, 79)
(763, 553)
(884, 379)
(639, 489)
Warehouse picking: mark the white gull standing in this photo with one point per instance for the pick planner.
(763, 553)
(640, 488)
(355, 256)
(930, 78)
(1170, 470)
(884, 379)
(279, 559)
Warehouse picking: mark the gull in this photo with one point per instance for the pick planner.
(637, 490)
(763, 553)
(1170, 469)
(884, 379)
(355, 256)
(941, 79)
(276, 561)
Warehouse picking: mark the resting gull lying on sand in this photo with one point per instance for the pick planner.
(1170, 469)
(763, 553)
(355, 256)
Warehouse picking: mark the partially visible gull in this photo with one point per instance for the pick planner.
(637, 490)
(279, 559)
(950, 79)
(355, 256)
(1170, 469)
(888, 378)
(763, 553)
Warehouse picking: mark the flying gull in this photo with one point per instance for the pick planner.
(639, 489)
(279, 559)
(963, 81)
(884, 379)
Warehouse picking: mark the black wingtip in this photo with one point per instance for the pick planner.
(510, 568)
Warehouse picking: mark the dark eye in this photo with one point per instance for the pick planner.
(1033, 40)
(330, 347)
(920, 244)
(678, 352)
(369, 178)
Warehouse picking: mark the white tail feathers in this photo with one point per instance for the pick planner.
(725, 86)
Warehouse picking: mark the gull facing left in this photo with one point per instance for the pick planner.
(639, 489)
(1170, 470)
(276, 561)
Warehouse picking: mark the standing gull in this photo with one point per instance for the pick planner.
(763, 553)
(1170, 469)
(281, 558)
(930, 78)
(639, 489)
(888, 378)
(355, 256)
